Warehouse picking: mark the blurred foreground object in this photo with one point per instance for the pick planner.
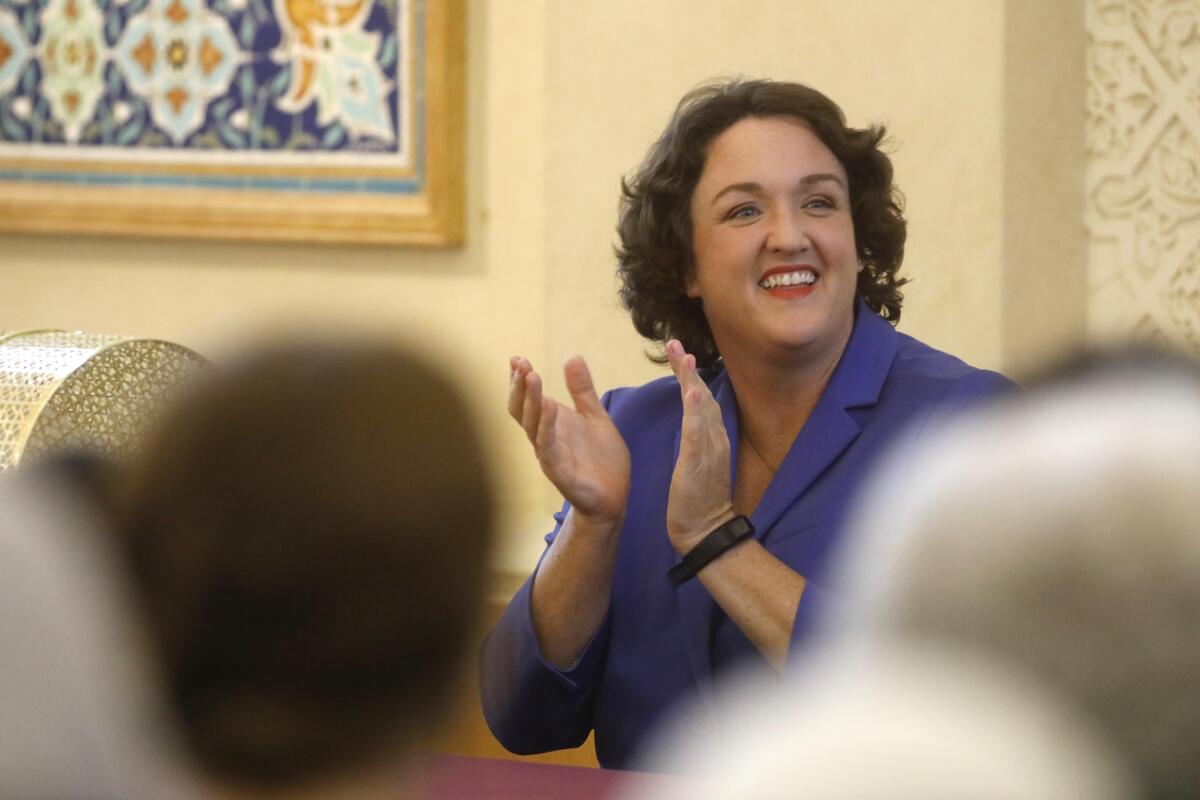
(63, 391)
(81, 707)
(896, 723)
(1060, 531)
(310, 527)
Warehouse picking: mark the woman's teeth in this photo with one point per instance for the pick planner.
(801, 277)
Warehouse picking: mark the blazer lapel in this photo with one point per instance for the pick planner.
(856, 382)
(831, 428)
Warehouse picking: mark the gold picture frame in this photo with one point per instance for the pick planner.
(209, 180)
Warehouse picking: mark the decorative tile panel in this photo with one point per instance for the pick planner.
(1143, 177)
(215, 76)
(202, 113)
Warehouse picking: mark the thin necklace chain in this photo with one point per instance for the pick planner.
(757, 452)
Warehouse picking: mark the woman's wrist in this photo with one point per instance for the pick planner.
(597, 525)
(715, 544)
(683, 539)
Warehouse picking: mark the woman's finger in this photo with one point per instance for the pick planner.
(580, 386)
(675, 352)
(687, 374)
(546, 434)
(693, 380)
(531, 411)
(691, 443)
(703, 407)
(516, 388)
(693, 407)
(683, 365)
(676, 356)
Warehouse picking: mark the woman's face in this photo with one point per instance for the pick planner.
(773, 239)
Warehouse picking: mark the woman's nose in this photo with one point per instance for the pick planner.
(787, 233)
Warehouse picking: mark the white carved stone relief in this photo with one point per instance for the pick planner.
(1143, 173)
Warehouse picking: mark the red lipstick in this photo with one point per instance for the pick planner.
(796, 277)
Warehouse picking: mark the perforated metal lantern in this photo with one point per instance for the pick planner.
(61, 390)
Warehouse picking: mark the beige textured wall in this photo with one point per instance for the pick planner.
(1044, 239)
(563, 98)
(930, 71)
(1143, 171)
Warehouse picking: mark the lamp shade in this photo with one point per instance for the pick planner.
(62, 391)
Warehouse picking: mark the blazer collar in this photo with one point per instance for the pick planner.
(856, 382)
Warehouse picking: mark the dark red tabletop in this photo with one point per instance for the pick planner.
(445, 777)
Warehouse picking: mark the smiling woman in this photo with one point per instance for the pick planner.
(775, 264)
(656, 225)
(760, 241)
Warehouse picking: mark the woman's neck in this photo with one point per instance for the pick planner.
(775, 400)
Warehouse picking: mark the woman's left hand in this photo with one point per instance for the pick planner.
(700, 495)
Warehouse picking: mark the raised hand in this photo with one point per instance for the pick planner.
(700, 495)
(578, 448)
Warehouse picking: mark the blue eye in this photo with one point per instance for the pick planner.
(744, 212)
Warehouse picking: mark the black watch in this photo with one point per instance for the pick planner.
(711, 546)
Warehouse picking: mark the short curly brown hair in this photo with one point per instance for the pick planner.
(655, 258)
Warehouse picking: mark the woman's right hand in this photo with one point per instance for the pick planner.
(579, 449)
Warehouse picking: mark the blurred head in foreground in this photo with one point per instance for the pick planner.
(1060, 531)
(894, 723)
(81, 711)
(310, 529)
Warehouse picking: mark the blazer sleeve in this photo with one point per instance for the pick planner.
(530, 705)
(974, 388)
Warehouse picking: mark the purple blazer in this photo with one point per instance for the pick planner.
(660, 644)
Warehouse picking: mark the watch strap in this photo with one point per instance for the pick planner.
(721, 539)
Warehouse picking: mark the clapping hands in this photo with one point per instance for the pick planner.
(582, 453)
(578, 447)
